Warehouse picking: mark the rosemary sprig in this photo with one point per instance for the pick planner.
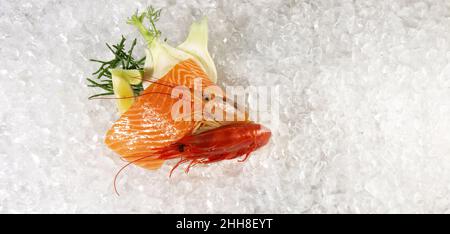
(122, 59)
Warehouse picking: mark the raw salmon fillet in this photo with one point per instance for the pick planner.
(148, 124)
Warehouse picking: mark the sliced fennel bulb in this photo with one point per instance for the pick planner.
(122, 81)
(196, 44)
(161, 57)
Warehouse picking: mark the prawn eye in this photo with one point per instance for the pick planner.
(181, 147)
(206, 98)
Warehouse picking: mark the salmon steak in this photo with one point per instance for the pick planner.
(148, 125)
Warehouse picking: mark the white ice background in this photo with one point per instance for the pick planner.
(364, 123)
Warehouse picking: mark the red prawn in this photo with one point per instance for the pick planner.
(222, 143)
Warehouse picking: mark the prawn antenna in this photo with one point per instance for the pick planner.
(121, 169)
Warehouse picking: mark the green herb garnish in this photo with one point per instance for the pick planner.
(123, 60)
(138, 20)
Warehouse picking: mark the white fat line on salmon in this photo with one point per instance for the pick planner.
(188, 224)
